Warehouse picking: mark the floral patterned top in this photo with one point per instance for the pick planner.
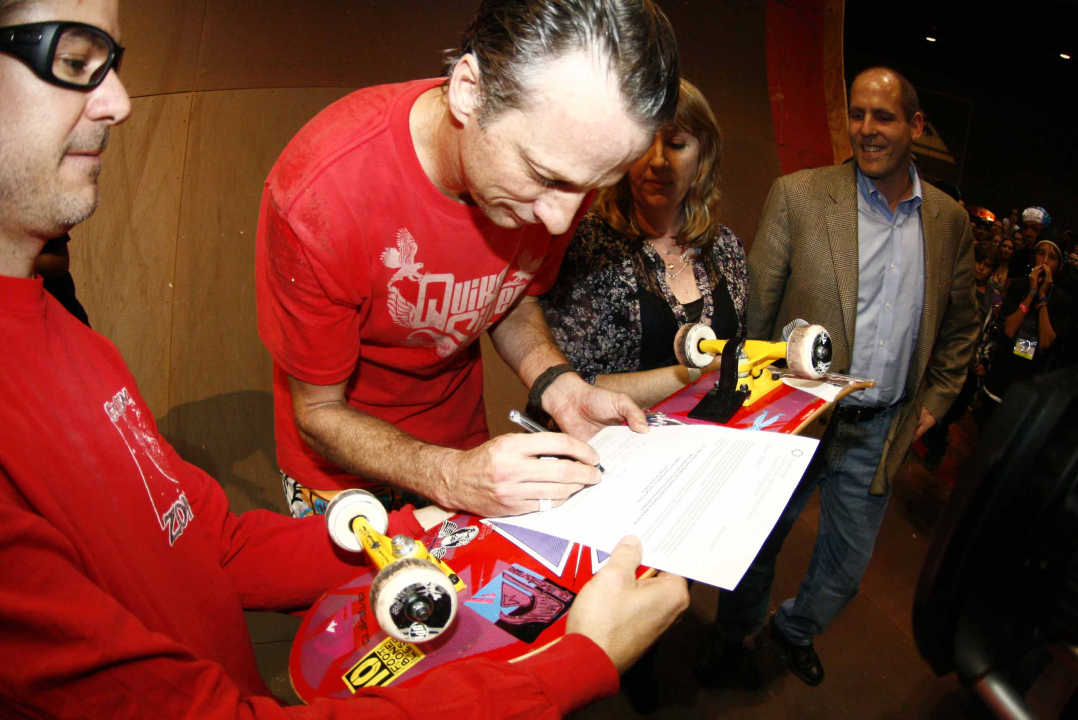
(594, 309)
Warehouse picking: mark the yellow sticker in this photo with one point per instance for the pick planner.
(382, 665)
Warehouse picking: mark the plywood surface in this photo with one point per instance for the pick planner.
(122, 258)
(722, 52)
(162, 38)
(795, 61)
(220, 393)
(257, 44)
(834, 79)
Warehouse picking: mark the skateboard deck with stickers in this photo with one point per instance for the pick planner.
(519, 586)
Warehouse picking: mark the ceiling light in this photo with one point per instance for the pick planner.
(1065, 56)
(930, 39)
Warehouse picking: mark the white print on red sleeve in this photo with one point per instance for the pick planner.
(139, 434)
(448, 314)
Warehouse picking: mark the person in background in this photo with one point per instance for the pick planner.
(649, 257)
(999, 279)
(1037, 315)
(1034, 220)
(884, 261)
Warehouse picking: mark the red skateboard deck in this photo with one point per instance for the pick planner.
(513, 604)
(784, 410)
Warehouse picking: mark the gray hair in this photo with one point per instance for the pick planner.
(507, 37)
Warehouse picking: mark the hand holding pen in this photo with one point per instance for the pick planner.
(530, 426)
(513, 473)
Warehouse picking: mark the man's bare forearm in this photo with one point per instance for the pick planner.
(523, 340)
(370, 447)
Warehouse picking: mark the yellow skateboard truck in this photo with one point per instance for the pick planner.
(414, 595)
(745, 376)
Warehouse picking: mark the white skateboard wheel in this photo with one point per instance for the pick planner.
(687, 345)
(413, 601)
(808, 351)
(346, 507)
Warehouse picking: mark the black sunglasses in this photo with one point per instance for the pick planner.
(69, 54)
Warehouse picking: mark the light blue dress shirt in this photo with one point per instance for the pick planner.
(890, 291)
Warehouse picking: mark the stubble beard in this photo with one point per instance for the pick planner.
(36, 194)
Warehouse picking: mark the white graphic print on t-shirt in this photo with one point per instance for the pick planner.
(448, 314)
(139, 434)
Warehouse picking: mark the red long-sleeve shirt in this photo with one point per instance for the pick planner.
(125, 576)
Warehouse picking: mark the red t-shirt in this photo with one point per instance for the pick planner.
(365, 272)
(125, 577)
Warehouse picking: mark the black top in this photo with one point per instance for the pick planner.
(63, 287)
(659, 325)
(1006, 365)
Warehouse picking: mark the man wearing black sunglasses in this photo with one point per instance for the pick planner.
(124, 575)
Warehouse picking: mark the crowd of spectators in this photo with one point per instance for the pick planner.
(1027, 279)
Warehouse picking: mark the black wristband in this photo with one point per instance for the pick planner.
(544, 380)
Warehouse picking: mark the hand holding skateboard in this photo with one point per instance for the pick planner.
(414, 595)
(622, 614)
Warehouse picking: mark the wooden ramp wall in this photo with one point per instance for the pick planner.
(165, 267)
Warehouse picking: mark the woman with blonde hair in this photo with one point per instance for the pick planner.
(650, 256)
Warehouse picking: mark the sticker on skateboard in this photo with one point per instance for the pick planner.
(385, 663)
(552, 552)
(521, 602)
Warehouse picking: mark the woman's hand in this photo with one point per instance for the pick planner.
(1034, 279)
(1046, 285)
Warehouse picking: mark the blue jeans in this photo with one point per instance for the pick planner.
(850, 518)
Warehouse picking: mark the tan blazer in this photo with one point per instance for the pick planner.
(803, 264)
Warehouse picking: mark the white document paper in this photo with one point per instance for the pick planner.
(823, 390)
(701, 498)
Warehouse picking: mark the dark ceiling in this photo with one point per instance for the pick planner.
(1013, 51)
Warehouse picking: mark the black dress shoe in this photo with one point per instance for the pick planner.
(801, 659)
(725, 663)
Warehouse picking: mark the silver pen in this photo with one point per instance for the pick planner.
(531, 426)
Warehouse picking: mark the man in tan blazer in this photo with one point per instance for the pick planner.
(884, 261)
